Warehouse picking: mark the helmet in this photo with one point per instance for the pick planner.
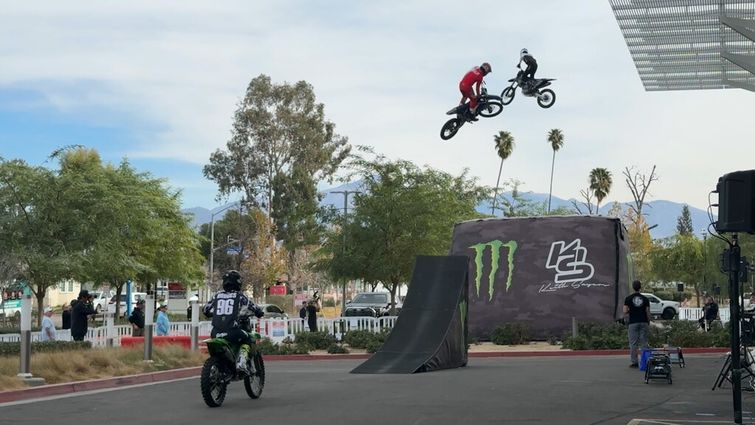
(486, 68)
(232, 281)
(523, 52)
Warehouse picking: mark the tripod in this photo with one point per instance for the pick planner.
(747, 363)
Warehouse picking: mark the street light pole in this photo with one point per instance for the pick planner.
(212, 242)
(705, 258)
(345, 194)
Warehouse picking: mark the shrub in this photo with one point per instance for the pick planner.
(286, 302)
(553, 340)
(510, 334)
(328, 302)
(373, 346)
(14, 348)
(677, 333)
(315, 340)
(358, 339)
(337, 349)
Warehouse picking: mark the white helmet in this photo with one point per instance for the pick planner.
(522, 53)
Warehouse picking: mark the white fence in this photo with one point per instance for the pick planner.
(280, 329)
(275, 329)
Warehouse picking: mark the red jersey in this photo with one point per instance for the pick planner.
(474, 76)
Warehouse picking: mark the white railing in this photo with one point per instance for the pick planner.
(275, 329)
(690, 313)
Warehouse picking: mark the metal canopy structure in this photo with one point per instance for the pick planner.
(690, 44)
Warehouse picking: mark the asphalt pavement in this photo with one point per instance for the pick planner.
(553, 390)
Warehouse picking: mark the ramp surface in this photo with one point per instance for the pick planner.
(431, 331)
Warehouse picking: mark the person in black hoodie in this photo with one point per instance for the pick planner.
(80, 315)
(66, 316)
(137, 319)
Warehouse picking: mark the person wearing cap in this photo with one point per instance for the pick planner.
(162, 324)
(80, 315)
(137, 319)
(47, 333)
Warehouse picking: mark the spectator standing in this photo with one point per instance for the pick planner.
(137, 319)
(66, 315)
(47, 333)
(80, 313)
(637, 308)
(710, 313)
(162, 324)
(303, 311)
(312, 308)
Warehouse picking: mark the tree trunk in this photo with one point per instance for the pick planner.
(550, 191)
(40, 296)
(118, 291)
(392, 290)
(495, 193)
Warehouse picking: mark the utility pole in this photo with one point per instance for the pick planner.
(345, 194)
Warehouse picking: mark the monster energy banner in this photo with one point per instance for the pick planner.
(543, 271)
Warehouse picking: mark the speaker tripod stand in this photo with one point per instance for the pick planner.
(747, 365)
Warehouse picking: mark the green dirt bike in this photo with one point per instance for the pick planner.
(219, 370)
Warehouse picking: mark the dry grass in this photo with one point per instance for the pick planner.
(96, 363)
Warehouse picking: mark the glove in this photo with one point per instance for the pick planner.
(258, 313)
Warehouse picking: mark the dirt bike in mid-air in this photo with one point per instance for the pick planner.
(488, 106)
(533, 88)
(219, 370)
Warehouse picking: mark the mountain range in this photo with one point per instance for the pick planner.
(661, 215)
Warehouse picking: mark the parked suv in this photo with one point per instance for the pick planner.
(372, 304)
(667, 310)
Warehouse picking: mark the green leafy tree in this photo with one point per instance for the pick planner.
(679, 259)
(556, 140)
(600, 184)
(504, 146)
(142, 234)
(404, 211)
(684, 223)
(47, 223)
(281, 146)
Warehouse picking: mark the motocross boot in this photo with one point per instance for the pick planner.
(241, 364)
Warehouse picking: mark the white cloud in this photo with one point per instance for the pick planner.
(387, 72)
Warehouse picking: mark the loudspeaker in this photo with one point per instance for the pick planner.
(736, 202)
(680, 287)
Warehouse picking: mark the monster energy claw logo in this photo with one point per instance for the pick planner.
(495, 255)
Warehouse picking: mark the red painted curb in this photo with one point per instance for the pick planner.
(167, 375)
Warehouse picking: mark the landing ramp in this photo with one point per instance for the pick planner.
(431, 331)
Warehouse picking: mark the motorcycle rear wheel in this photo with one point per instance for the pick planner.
(508, 95)
(213, 383)
(490, 109)
(256, 383)
(450, 128)
(546, 98)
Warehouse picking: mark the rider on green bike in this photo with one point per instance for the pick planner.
(231, 310)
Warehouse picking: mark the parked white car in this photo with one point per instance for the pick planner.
(667, 310)
(100, 300)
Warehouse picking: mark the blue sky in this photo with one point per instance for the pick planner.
(158, 82)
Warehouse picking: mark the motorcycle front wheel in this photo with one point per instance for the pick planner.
(450, 128)
(255, 383)
(546, 98)
(213, 383)
(490, 109)
(508, 95)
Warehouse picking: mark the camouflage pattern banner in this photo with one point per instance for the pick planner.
(543, 271)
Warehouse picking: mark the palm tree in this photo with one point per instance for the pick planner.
(556, 139)
(600, 184)
(504, 145)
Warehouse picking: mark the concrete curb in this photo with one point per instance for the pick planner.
(168, 375)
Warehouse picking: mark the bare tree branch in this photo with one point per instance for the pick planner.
(638, 184)
(587, 196)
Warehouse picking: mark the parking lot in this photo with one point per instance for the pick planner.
(560, 390)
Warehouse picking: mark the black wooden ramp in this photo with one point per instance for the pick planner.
(431, 331)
